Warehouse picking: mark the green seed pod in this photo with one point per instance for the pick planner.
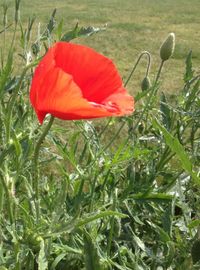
(167, 48)
(146, 83)
(196, 251)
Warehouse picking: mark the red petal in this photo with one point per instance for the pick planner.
(56, 85)
(61, 97)
(121, 100)
(95, 74)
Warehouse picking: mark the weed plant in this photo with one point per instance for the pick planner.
(115, 194)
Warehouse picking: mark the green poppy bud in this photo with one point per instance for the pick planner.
(146, 83)
(167, 48)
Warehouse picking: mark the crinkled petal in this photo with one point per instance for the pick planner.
(60, 96)
(74, 82)
(95, 74)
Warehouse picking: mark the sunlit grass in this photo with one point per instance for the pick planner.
(133, 26)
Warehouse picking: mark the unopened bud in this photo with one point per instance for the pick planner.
(146, 83)
(167, 48)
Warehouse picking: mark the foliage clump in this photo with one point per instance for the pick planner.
(120, 194)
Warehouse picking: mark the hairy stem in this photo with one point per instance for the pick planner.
(136, 64)
(35, 164)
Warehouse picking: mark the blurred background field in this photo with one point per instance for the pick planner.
(132, 26)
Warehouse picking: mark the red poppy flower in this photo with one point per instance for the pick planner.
(75, 82)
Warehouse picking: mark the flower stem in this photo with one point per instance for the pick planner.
(8, 198)
(35, 164)
(152, 94)
(159, 71)
(136, 64)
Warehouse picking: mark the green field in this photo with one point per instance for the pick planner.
(132, 26)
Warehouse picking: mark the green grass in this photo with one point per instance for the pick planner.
(133, 26)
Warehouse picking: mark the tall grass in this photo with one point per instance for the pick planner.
(115, 194)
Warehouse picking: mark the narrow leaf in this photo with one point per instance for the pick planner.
(42, 259)
(189, 71)
(91, 256)
(176, 147)
(81, 31)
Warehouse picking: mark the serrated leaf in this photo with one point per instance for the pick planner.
(75, 224)
(42, 259)
(50, 26)
(81, 31)
(177, 148)
(189, 71)
(139, 242)
(192, 96)
(91, 218)
(5, 73)
(17, 144)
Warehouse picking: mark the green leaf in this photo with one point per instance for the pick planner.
(42, 259)
(57, 260)
(51, 23)
(189, 71)
(177, 148)
(192, 95)
(50, 26)
(195, 223)
(138, 242)
(152, 197)
(162, 234)
(75, 224)
(15, 140)
(99, 215)
(5, 73)
(81, 31)
(91, 256)
(59, 29)
(140, 95)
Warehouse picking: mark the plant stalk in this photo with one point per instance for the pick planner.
(35, 164)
